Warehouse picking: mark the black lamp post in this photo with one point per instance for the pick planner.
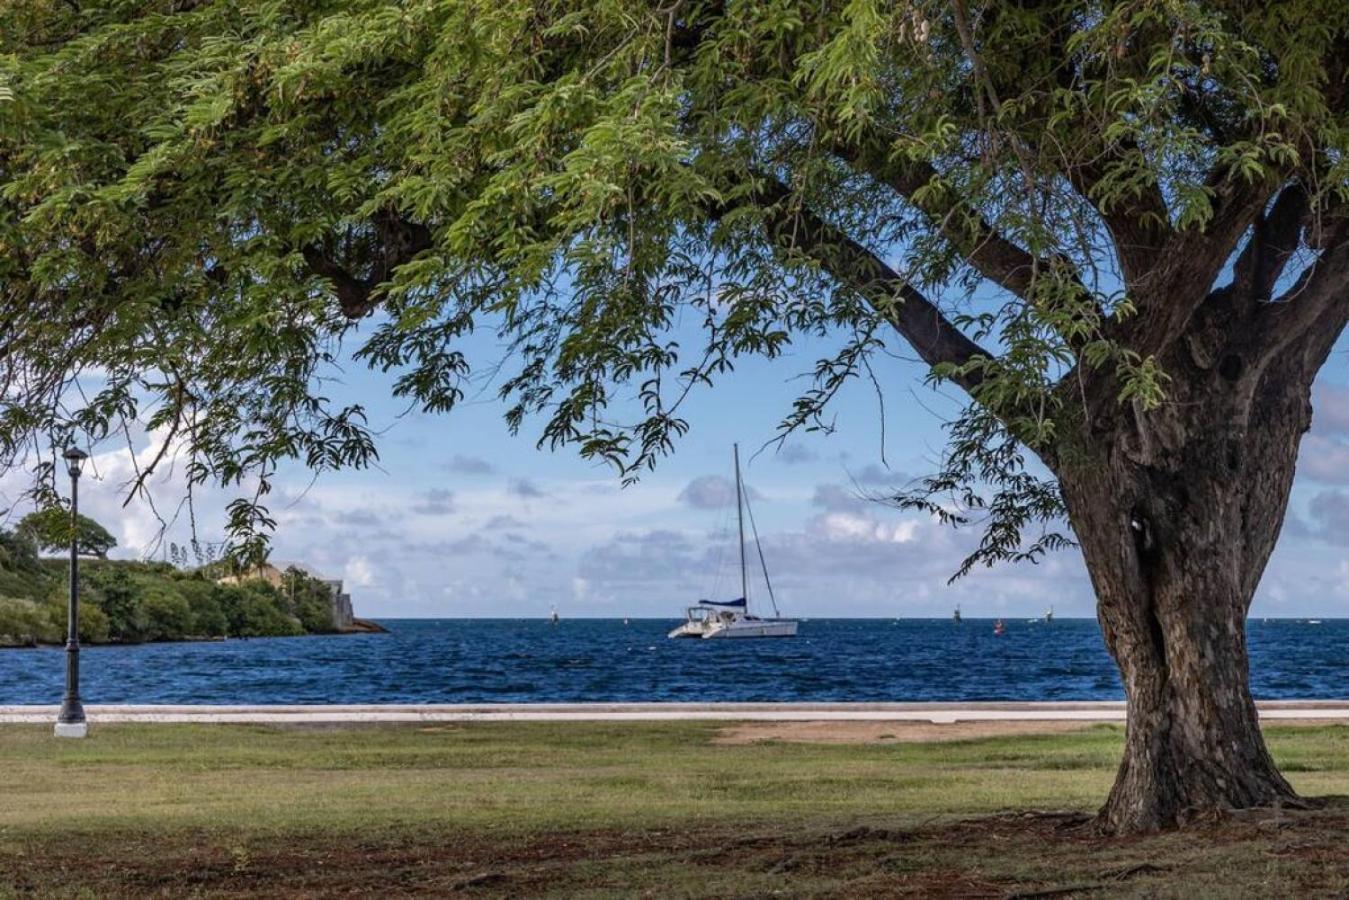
(71, 722)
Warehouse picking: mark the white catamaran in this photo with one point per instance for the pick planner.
(732, 618)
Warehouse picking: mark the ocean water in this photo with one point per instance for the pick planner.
(530, 660)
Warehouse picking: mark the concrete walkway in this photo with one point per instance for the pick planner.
(935, 713)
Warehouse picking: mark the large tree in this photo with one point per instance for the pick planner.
(1118, 226)
(51, 528)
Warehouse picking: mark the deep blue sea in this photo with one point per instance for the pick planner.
(529, 660)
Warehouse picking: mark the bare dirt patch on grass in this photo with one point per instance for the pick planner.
(876, 732)
(835, 732)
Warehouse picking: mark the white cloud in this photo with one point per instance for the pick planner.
(358, 573)
(469, 465)
(140, 524)
(842, 526)
(795, 454)
(1324, 459)
(712, 492)
(435, 502)
(1331, 405)
(834, 498)
(523, 487)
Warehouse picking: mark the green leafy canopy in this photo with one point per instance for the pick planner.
(202, 202)
(51, 529)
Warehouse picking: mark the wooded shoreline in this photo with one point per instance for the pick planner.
(358, 626)
(140, 602)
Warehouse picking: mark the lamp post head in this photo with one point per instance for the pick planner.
(75, 458)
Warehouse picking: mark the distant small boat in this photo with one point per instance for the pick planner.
(955, 616)
(625, 621)
(1313, 621)
(999, 628)
(553, 616)
(1049, 615)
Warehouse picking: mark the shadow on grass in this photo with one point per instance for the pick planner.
(1015, 854)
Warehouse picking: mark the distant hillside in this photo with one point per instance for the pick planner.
(135, 602)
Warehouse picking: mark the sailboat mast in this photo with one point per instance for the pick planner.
(740, 516)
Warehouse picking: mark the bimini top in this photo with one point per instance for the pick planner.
(738, 604)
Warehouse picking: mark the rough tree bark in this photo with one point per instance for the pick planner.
(1177, 511)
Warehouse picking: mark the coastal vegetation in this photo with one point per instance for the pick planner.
(1121, 229)
(667, 809)
(135, 602)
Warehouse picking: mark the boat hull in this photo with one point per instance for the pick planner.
(763, 628)
(740, 629)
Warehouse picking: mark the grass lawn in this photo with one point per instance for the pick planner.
(621, 810)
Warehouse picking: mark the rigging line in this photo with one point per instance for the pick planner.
(758, 546)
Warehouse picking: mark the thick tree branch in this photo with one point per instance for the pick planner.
(992, 255)
(1275, 239)
(1139, 223)
(1190, 262)
(983, 247)
(1313, 312)
(353, 294)
(396, 241)
(797, 230)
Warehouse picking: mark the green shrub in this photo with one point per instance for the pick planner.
(208, 616)
(119, 596)
(164, 614)
(230, 599)
(311, 601)
(22, 573)
(263, 612)
(93, 621)
(93, 624)
(24, 622)
(18, 552)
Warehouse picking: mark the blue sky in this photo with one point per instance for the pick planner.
(463, 519)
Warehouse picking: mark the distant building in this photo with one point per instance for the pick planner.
(275, 575)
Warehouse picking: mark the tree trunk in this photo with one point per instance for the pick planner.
(1177, 511)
